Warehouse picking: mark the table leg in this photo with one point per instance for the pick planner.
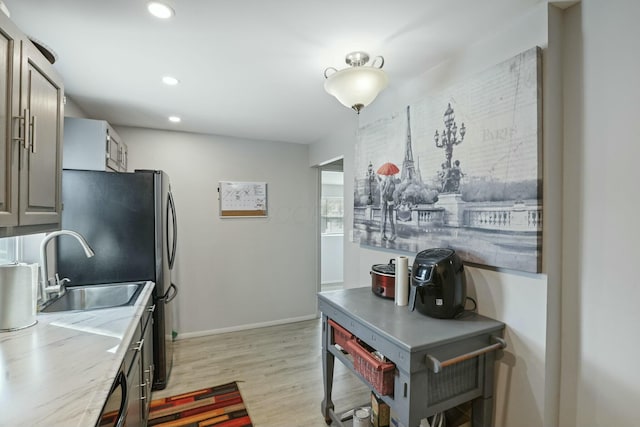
(328, 360)
(482, 407)
(482, 412)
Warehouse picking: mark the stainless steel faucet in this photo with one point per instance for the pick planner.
(58, 286)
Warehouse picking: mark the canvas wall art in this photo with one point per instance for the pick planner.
(461, 168)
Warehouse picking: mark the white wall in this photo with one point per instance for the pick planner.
(71, 109)
(236, 273)
(525, 375)
(600, 316)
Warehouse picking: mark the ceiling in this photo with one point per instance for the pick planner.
(247, 68)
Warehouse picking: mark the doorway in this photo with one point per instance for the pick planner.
(332, 226)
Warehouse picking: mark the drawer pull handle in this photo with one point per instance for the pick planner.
(437, 366)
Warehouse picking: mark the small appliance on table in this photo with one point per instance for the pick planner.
(383, 279)
(438, 284)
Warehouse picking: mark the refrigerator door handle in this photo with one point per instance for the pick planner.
(171, 210)
(170, 294)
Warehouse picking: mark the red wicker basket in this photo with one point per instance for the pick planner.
(340, 335)
(377, 373)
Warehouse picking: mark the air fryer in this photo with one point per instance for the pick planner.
(438, 284)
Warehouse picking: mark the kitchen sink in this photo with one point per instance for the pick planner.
(92, 297)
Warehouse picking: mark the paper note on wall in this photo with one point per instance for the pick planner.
(238, 199)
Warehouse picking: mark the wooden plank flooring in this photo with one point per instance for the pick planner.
(278, 369)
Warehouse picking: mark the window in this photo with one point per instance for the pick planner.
(332, 203)
(332, 213)
(8, 250)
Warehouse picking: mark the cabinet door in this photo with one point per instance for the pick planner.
(41, 162)
(9, 122)
(147, 368)
(136, 390)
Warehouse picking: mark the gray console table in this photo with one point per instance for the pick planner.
(439, 363)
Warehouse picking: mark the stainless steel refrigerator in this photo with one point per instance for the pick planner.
(129, 219)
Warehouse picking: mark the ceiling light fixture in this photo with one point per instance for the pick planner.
(160, 10)
(175, 119)
(170, 81)
(357, 86)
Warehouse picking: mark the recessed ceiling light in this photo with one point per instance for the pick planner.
(171, 81)
(160, 10)
(175, 119)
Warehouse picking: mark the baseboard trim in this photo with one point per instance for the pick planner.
(185, 335)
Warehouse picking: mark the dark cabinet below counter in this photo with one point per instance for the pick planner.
(130, 396)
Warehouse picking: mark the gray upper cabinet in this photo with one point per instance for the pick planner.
(9, 147)
(31, 136)
(41, 162)
(93, 145)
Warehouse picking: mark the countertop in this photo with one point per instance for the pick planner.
(411, 331)
(59, 371)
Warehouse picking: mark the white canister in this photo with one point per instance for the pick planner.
(362, 417)
(18, 296)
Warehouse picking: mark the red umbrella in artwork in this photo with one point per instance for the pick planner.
(388, 169)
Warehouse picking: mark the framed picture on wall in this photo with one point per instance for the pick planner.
(461, 168)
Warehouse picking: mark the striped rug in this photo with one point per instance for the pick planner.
(219, 406)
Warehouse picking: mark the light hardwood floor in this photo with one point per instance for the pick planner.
(278, 369)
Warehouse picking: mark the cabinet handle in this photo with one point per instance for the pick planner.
(139, 345)
(436, 365)
(32, 130)
(22, 129)
(143, 386)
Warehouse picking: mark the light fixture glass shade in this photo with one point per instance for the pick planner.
(356, 87)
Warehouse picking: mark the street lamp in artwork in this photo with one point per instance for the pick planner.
(370, 178)
(449, 136)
